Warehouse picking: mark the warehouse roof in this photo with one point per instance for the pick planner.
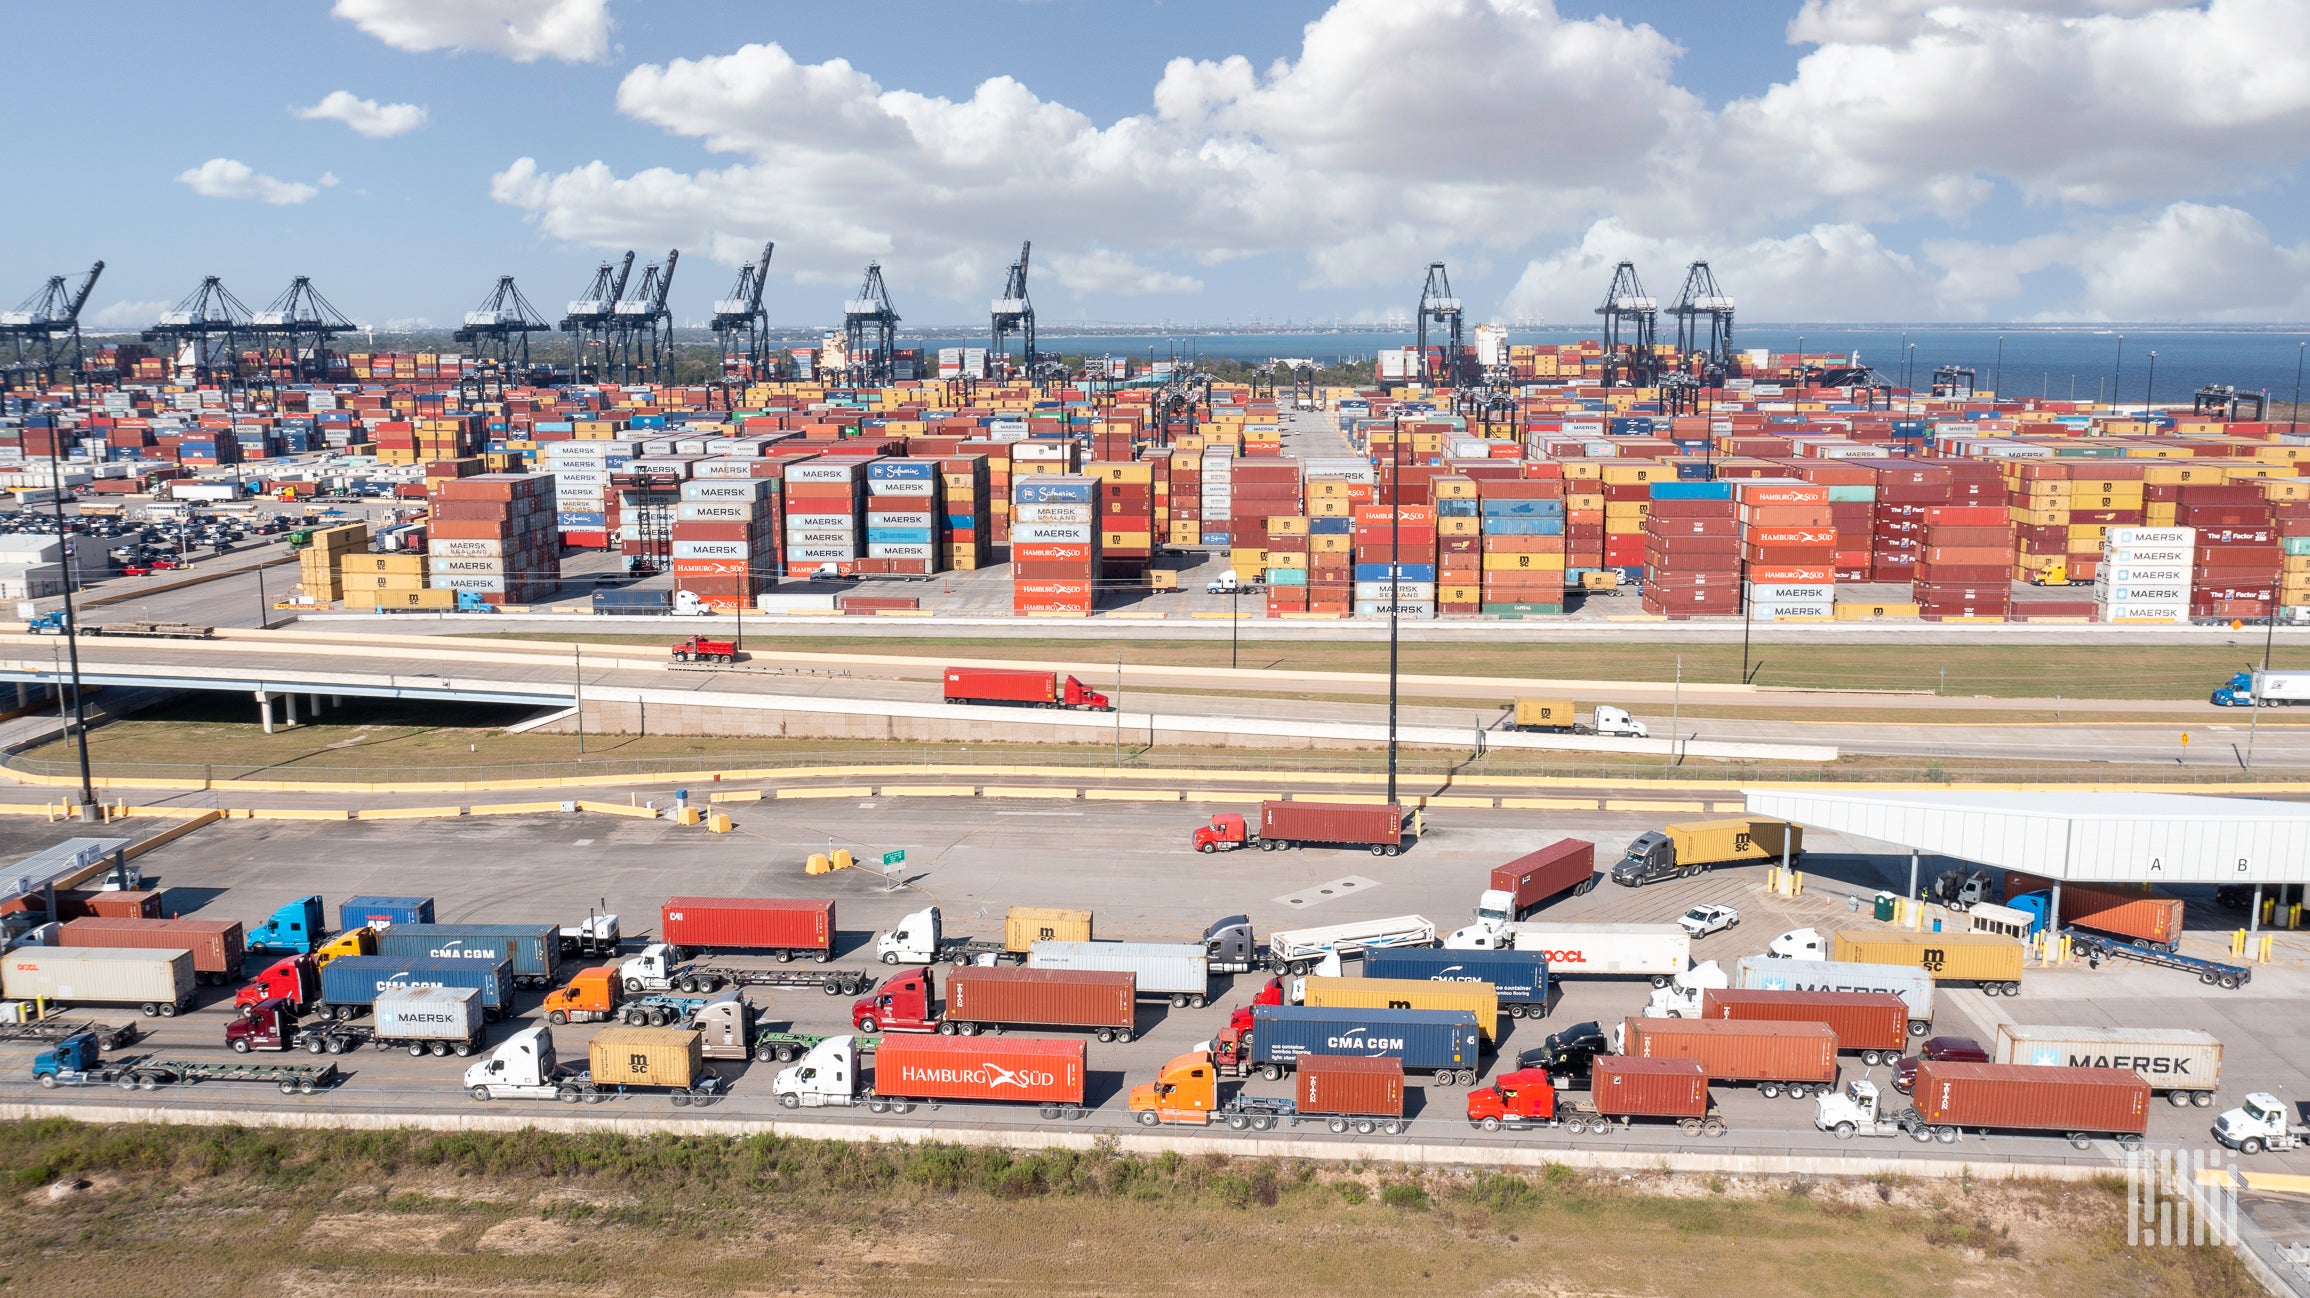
(2112, 837)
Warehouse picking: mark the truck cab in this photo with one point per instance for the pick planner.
(914, 940)
(1226, 832)
(2237, 692)
(1616, 721)
(907, 1003)
(1681, 999)
(597, 935)
(1851, 1111)
(1527, 1095)
(1186, 1090)
(523, 1062)
(353, 941)
(2262, 1122)
(655, 969)
(266, 1025)
(294, 980)
(69, 1060)
(726, 1026)
(1651, 857)
(1799, 944)
(829, 1074)
(590, 996)
(294, 929)
(1231, 945)
(1960, 889)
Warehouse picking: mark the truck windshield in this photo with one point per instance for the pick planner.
(2258, 1113)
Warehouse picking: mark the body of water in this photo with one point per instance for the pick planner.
(2034, 361)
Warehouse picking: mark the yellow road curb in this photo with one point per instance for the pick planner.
(929, 790)
(291, 813)
(513, 809)
(1130, 795)
(1004, 791)
(735, 795)
(173, 833)
(409, 813)
(1549, 804)
(614, 809)
(1455, 802)
(1619, 805)
(847, 791)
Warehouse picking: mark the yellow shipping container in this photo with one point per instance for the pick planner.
(1460, 594)
(1327, 490)
(1717, 842)
(1855, 612)
(1524, 562)
(1026, 925)
(1949, 957)
(352, 582)
(1459, 527)
(1544, 714)
(412, 598)
(401, 563)
(1281, 526)
(623, 1056)
(1480, 999)
(1116, 472)
(1280, 559)
(1455, 488)
(1330, 544)
(1331, 507)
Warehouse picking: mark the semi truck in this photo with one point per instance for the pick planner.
(1873, 1025)
(437, 1020)
(2270, 689)
(980, 998)
(1271, 1039)
(785, 929)
(1561, 717)
(351, 984)
(1349, 1092)
(1523, 885)
(1681, 999)
(2184, 1063)
(525, 1067)
(1047, 1074)
(1655, 951)
(2079, 1103)
(921, 938)
(1622, 1091)
(1987, 960)
(158, 983)
(217, 945)
(1380, 829)
(2262, 1122)
(1796, 1058)
(1018, 687)
(297, 978)
(1683, 850)
(657, 968)
(76, 1061)
(1518, 978)
(381, 911)
(1372, 992)
(1179, 972)
(2142, 918)
(297, 928)
(533, 950)
(1301, 950)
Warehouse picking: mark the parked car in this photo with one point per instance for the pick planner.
(1701, 921)
(1960, 1050)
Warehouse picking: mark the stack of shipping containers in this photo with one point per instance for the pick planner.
(2145, 575)
(824, 498)
(1054, 544)
(2234, 572)
(1286, 560)
(905, 507)
(494, 535)
(1217, 492)
(1692, 552)
(320, 563)
(1459, 545)
(390, 581)
(1966, 570)
(1789, 547)
(965, 513)
(1126, 520)
(1521, 526)
(581, 480)
(726, 532)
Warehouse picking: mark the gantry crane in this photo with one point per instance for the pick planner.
(742, 325)
(590, 316)
(205, 332)
(1704, 351)
(641, 331)
(1631, 320)
(39, 330)
(2224, 401)
(302, 325)
(1437, 303)
(870, 361)
(1014, 313)
(499, 329)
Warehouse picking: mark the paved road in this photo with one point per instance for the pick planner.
(1130, 866)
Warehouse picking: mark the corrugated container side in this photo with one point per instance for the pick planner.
(1002, 684)
(1351, 1085)
(1423, 1039)
(97, 974)
(533, 949)
(357, 979)
(1023, 1070)
(1739, 1052)
(1861, 1020)
(1949, 957)
(1023, 926)
(1163, 969)
(1046, 997)
(623, 1056)
(1536, 876)
(378, 911)
(1376, 993)
(1913, 986)
(2169, 1059)
(2022, 1097)
(1627, 1086)
(429, 1014)
(2107, 909)
(744, 923)
(1331, 822)
(1519, 977)
(217, 945)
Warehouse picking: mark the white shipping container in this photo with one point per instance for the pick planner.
(1053, 533)
(454, 549)
(2177, 613)
(1808, 593)
(1914, 986)
(2169, 1059)
(821, 522)
(821, 536)
(1381, 608)
(744, 489)
(428, 1014)
(1790, 611)
(826, 471)
(877, 521)
(713, 549)
(820, 553)
(1577, 950)
(98, 975)
(902, 486)
(2132, 575)
(2185, 537)
(2153, 592)
(900, 550)
(466, 581)
(1163, 968)
(1398, 590)
(1052, 513)
(721, 511)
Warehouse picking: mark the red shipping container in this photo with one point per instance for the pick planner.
(1625, 1086)
(1537, 876)
(1873, 1023)
(1072, 998)
(2032, 1097)
(1803, 1053)
(1354, 1086)
(218, 945)
(1012, 1070)
(748, 923)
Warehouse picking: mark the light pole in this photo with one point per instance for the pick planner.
(71, 626)
(2294, 411)
(2150, 389)
(2117, 372)
(1997, 375)
(1909, 367)
(264, 618)
(1395, 586)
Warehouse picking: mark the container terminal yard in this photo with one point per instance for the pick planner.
(1595, 917)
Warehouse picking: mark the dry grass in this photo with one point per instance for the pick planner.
(206, 1212)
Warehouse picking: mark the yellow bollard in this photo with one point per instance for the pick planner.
(1797, 883)
(718, 823)
(688, 816)
(843, 860)
(2294, 916)
(2267, 940)
(2238, 942)
(818, 864)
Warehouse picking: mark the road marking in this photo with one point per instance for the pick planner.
(1041, 813)
(1323, 892)
(583, 842)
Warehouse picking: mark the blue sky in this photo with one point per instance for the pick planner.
(1183, 161)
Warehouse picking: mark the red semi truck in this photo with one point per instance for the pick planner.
(1622, 1089)
(1873, 1025)
(1282, 825)
(978, 998)
(1796, 1058)
(1519, 887)
(786, 929)
(1033, 689)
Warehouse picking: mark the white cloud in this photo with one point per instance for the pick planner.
(227, 178)
(573, 31)
(125, 314)
(366, 116)
(1503, 132)
(2189, 262)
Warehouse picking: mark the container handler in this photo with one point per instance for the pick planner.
(1349, 1092)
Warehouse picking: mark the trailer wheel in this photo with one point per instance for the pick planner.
(1365, 1126)
(2080, 1140)
(1659, 980)
(288, 1088)
(1798, 1090)
(1123, 1036)
(1237, 1121)
(1712, 1127)
(902, 1107)
(966, 1029)
(2228, 982)
(679, 1099)
(1195, 1002)
(1106, 1034)
(1515, 1011)
(785, 957)
(1444, 1076)
(168, 1009)
(1770, 1090)
(478, 1092)
(1919, 1027)
(1948, 1135)
(2179, 1099)
(462, 1049)
(1275, 1072)
(441, 1050)
(305, 1087)
(1049, 1112)
(313, 1045)
(1339, 1126)
(2203, 1099)
(416, 1050)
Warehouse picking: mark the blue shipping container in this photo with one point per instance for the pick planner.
(902, 470)
(1423, 1039)
(1410, 572)
(355, 980)
(1457, 507)
(355, 912)
(899, 535)
(533, 949)
(1331, 527)
(1502, 508)
(1523, 527)
(1520, 976)
(1054, 491)
(1287, 576)
(1692, 490)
